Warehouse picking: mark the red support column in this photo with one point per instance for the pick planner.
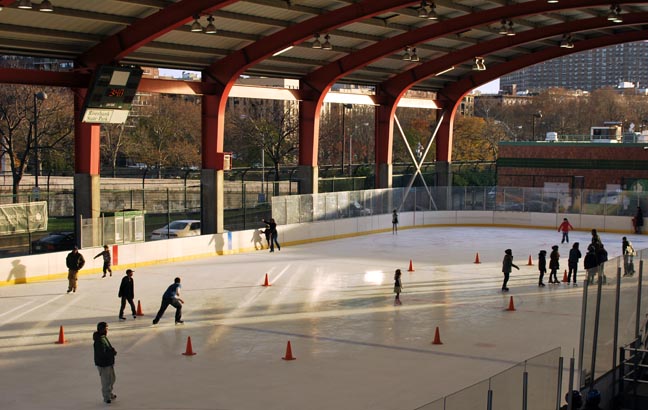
(309, 119)
(212, 176)
(87, 189)
(86, 139)
(384, 141)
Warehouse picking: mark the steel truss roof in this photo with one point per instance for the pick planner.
(368, 37)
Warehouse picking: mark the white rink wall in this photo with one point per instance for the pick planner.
(32, 268)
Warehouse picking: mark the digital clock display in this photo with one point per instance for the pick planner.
(115, 92)
(111, 94)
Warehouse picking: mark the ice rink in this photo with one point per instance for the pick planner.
(332, 300)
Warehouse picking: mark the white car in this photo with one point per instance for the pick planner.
(177, 229)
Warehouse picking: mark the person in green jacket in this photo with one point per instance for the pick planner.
(104, 358)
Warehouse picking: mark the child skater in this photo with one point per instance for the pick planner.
(106, 260)
(397, 286)
(542, 266)
(554, 265)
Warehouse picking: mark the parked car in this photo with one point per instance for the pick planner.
(359, 210)
(54, 242)
(177, 229)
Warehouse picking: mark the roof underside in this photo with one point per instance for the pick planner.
(75, 28)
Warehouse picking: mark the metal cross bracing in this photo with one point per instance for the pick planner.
(418, 162)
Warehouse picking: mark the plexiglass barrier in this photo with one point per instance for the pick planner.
(506, 390)
(613, 315)
(351, 204)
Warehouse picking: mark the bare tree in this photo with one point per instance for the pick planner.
(113, 139)
(168, 134)
(271, 126)
(20, 110)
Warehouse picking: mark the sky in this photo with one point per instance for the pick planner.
(490, 88)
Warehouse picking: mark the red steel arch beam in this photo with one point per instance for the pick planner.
(389, 92)
(315, 85)
(117, 46)
(452, 95)
(226, 71)
(324, 77)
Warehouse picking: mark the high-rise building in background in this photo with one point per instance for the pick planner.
(588, 70)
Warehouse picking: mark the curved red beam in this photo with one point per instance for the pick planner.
(143, 31)
(396, 86)
(323, 78)
(228, 69)
(452, 95)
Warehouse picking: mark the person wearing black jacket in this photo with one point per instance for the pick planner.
(74, 262)
(554, 265)
(104, 358)
(507, 264)
(274, 234)
(542, 266)
(572, 262)
(127, 293)
(590, 263)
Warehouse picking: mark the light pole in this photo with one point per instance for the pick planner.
(537, 115)
(37, 96)
(351, 145)
(342, 147)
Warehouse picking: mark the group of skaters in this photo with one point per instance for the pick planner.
(593, 262)
(104, 353)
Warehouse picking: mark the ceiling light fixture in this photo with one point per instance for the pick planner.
(432, 14)
(566, 41)
(423, 10)
(479, 64)
(406, 54)
(25, 4)
(552, 1)
(316, 43)
(618, 18)
(196, 27)
(414, 56)
(211, 28)
(614, 14)
(503, 29)
(46, 5)
(510, 32)
(327, 43)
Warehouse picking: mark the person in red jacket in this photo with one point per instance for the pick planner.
(565, 227)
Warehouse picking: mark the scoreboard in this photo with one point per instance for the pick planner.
(110, 97)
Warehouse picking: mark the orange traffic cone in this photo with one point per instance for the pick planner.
(289, 355)
(511, 306)
(189, 351)
(477, 258)
(61, 340)
(530, 263)
(437, 338)
(565, 276)
(411, 268)
(266, 283)
(139, 309)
